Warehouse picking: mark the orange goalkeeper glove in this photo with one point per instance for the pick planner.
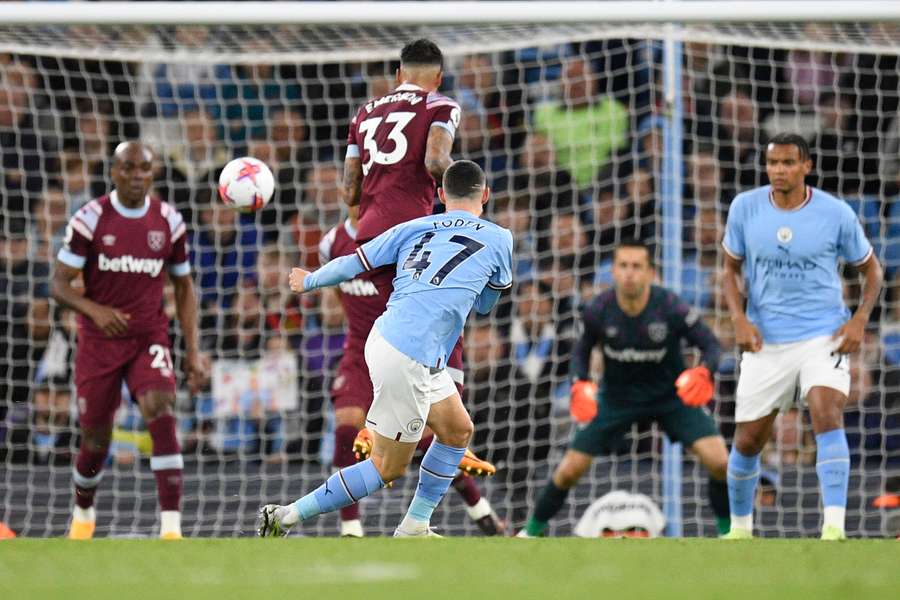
(583, 402)
(695, 386)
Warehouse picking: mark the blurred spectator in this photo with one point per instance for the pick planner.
(474, 142)
(836, 149)
(540, 344)
(223, 251)
(319, 354)
(513, 213)
(648, 144)
(88, 136)
(281, 307)
(497, 393)
(704, 179)
(701, 258)
(52, 402)
(170, 88)
(50, 215)
(537, 176)
(23, 151)
(252, 91)
(320, 210)
(585, 129)
(567, 261)
(188, 175)
(639, 211)
(810, 73)
(244, 328)
(24, 291)
(740, 141)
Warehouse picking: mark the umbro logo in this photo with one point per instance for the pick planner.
(109, 240)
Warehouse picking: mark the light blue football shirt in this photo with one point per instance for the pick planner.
(444, 263)
(791, 261)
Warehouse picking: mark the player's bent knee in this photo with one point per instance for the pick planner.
(459, 434)
(156, 403)
(749, 444)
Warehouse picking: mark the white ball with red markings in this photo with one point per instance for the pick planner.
(246, 184)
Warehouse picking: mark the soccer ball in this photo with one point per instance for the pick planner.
(246, 184)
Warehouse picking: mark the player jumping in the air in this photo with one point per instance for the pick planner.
(785, 240)
(445, 265)
(398, 147)
(123, 244)
(639, 328)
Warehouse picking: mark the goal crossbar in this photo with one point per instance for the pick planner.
(405, 13)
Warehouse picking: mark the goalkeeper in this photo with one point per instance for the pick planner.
(639, 327)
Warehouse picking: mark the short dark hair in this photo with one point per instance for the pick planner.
(421, 52)
(462, 179)
(791, 139)
(632, 242)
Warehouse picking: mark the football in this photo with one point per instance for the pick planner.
(246, 184)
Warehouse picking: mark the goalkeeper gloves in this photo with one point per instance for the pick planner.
(583, 402)
(695, 386)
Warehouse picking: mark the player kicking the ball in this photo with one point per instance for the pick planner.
(123, 244)
(639, 328)
(398, 148)
(797, 332)
(446, 264)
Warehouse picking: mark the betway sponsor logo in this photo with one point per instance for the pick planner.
(632, 355)
(358, 287)
(130, 264)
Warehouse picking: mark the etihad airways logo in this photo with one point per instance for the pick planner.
(130, 264)
(358, 287)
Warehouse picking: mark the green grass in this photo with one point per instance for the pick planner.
(462, 569)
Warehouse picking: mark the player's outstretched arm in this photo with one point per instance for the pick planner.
(853, 331)
(437, 152)
(746, 334)
(110, 321)
(353, 176)
(196, 367)
(338, 270)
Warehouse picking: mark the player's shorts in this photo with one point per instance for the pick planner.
(772, 378)
(144, 362)
(404, 390)
(606, 432)
(352, 385)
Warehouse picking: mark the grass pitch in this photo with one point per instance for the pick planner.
(461, 569)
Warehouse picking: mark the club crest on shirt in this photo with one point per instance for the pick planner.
(657, 331)
(785, 235)
(611, 331)
(156, 239)
(109, 240)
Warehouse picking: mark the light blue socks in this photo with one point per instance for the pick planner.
(343, 488)
(436, 472)
(833, 468)
(743, 474)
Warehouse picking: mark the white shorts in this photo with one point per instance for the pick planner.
(771, 378)
(404, 390)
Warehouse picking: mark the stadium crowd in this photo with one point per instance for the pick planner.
(571, 138)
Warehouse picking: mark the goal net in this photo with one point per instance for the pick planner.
(570, 182)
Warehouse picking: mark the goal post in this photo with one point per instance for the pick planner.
(695, 86)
